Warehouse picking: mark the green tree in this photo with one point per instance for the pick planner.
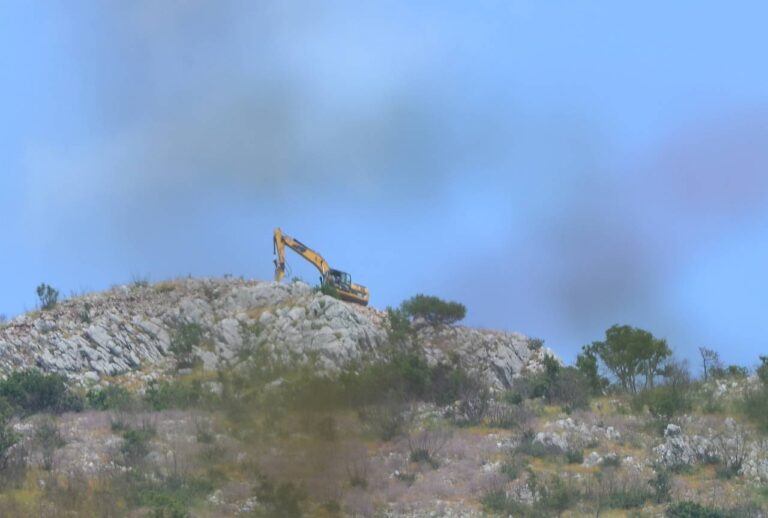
(433, 309)
(587, 365)
(48, 295)
(710, 362)
(631, 353)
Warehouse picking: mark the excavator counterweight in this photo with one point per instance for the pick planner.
(340, 281)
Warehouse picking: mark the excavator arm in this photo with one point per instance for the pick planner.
(339, 280)
(282, 240)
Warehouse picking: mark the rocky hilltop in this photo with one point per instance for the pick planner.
(128, 331)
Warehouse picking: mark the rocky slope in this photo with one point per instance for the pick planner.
(128, 331)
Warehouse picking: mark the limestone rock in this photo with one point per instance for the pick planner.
(128, 331)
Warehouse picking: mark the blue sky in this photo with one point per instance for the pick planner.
(557, 166)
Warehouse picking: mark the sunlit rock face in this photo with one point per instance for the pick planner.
(128, 330)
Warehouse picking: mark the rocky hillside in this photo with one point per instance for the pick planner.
(128, 331)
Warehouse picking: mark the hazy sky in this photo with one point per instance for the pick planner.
(557, 166)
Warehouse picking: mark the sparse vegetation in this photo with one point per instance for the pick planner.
(48, 440)
(565, 386)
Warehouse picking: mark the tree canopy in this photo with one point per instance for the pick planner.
(433, 309)
(631, 354)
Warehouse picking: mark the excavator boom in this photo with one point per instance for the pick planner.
(340, 281)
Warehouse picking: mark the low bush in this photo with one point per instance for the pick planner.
(573, 456)
(112, 397)
(330, 290)
(755, 405)
(183, 343)
(661, 484)
(663, 402)
(553, 497)
(673, 397)
(285, 500)
(425, 444)
(400, 334)
(508, 416)
(405, 373)
(164, 395)
(135, 446)
(564, 386)
(434, 310)
(736, 372)
(693, 510)
(9, 453)
(32, 391)
(389, 418)
(511, 469)
(529, 446)
(167, 497)
(48, 438)
(48, 296)
(498, 502)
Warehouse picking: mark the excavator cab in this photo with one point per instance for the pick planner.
(339, 279)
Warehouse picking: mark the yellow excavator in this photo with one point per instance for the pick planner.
(340, 281)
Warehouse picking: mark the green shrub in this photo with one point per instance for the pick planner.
(497, 501)
(389, 418)
(48, 438)
(556, 496)
(427, 443)
(8, 439)
(112, 397)
(628, 498)
(528, 446)
(587, 365)
(330, 290)
(48, 296)
(661, 484)
(755, 406)
(399, 331)
(167, 497)
(165, 395)
(611, 461)
(673, 397)
(184, 340)
(31, 391)
(285, 500)
(732, 371)
(663, 402)
(693, 510)
(433, 309)
(135, 444)
(511, 469)
(564, 386)
(574, 456)
(405, 373)
(762, 371)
